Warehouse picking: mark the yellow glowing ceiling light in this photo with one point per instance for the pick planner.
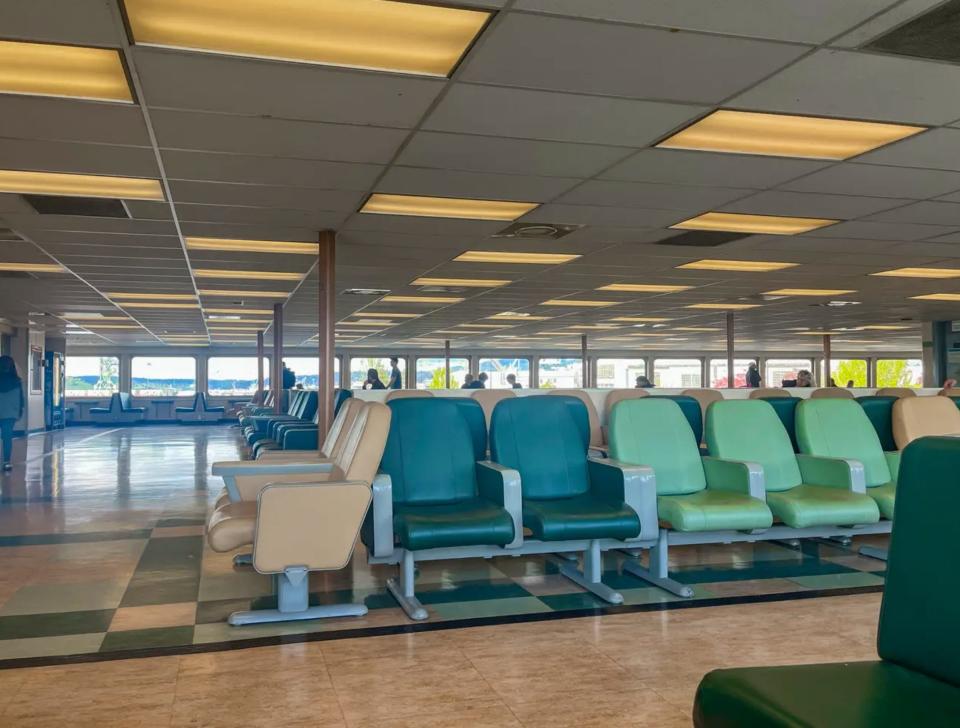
(244, 293)
(578, 302)
(641, 319)
(704, 329)
(234, 328)
(649, 334)
(742, 266)
(249, 311)
(882, 327)
(484, 256)
(32, 267)
(421, 299)
(382, 35)
(782, 135)
(644, 288)
(154, 296)
(457, 333)
(251, 246)
(378, 322)
(920, 273)
(252, 275)
(755, 224)
(383, 204)
(724, 306)
(594, 327)
(44, 69)
(265, 322)
(155, 304)
(385, 314)
(465, 282)
(79, 185)
(938, 297)
(808, 292)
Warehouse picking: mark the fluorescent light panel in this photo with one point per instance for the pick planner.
(808, 292)
(578, 302)
(421, 299)
(938, 297)
(384, 204)
(252, 246)
(920, 273)
(155, 304)
(724, 306)
(253, 275)
(391, 314)
(754, 224)
(243, 311)
(32, 267)
(154, 296)
(641, 319)
(644, 288)
(79, 185)
(465, 282)
(45, 69)
(244, 294)
(741, 266)
(481, 256)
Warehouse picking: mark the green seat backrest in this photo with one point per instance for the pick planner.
(472, 412)
(653, 431)
(542, 439)
(429, 453)
(749, 430)
(691, 410)
(879, 410)
(786, 409)
(838, 428)
(918, 627)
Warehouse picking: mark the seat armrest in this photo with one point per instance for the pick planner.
(383, 539)
(833, 472)
(302, 439)
(635, 485)
(230, 471)
(893, 463)
(736, 476)
(501, 485)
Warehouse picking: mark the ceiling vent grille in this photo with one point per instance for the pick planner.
(702, 239)
(537, 230)
(366, 292)
(932, 35)
(77, 206)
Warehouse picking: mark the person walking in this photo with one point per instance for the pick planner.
(753, 375)
(11, 406)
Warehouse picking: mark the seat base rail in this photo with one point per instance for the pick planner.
(293, 603)
(403, 590)
(243, 560)
(659, 572)
(591, 576)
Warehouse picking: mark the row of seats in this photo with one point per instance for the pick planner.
(200, 411)
(120, 410)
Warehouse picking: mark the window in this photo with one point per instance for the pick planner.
(360, 365)
(561, 373)
(778, 370)
(229, 376)
(619, 373)
(899, 373)
(677, 373)
(432, 372)
(91, 376)
(845, 371)
(718, 373)
(306, 369)
(498, 369)
(163, 376)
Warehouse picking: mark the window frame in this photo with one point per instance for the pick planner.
(94, 393)
(196, 376)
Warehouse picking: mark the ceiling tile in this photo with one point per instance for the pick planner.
(656, 196)
(897, 15)
(33, 117)
(414, 181)
(801, 204)
(930, 213)
(877, 181)
(934, 149)
(247, 195)
(74, 22)
(880, 231)
(604, 216)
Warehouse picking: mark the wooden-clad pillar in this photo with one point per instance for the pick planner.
(826, 361)
(259, 398)
(446, 362)
(326, 320)
(585, 366)
(730, 350)
(277, 369)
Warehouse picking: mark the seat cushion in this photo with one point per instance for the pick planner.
(819, 505)
(232, 525)
(885, 496)
(841, 695)
(473, 522)
(579, 517)
(713, 510)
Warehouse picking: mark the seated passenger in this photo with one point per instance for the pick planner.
(804, 378)
(512, 381)
(467, 382)
(373, 380)
(643, 383)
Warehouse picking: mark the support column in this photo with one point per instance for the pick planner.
(259, 397)
(276, 376)
(326, 281)
(585, 367)
(730, 350)
(826, 361)
(446, 362)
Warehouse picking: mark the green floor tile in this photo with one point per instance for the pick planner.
(757, 570)
(136, 639)
(574, 600)
(170, 522)
(84, 537)
(55, 624)
(73, 644)
(239, 584)
(473, 591)
(47, 598)
(487, 608)
(838, 581)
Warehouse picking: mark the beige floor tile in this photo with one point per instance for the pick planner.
(641, 707)
(176, 531)
(159, 615)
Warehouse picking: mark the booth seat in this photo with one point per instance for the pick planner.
(916, 681)
(407, 394)
(705, 397)
(199, 411)
(120, 410)
(916, 417)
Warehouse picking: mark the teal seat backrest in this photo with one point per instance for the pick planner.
(653, 431)
(472, 412)
(838, 428)
(918, 629)
(116, 403)
(749, 430)
(786, 409)
(429, 454)
(691, 410)
(123, 399)
(309, 406)
(339, 397)
(579, 412)
(542, 439)
(879, 411)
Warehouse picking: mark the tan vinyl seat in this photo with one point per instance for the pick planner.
(705, 397)
(915, 417)
(832, 393)
(406, 394)
(596, 434)
(488, 399)
(896, 392)
(335, 437)
(953, 393)
(769, 393)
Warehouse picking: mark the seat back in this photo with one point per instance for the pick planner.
(839, 428)
(341, 425)
(750, 430)
(786, 409)
(407, 394)
(430, 452)
(952, 392)
(477, 422)
(769, 393)
(896, 392)
(879, 411)
(916, 417)
(124, 399)
(542, 439)
(488, 399)
(196, 403)
(705, 397)
(614, 396)
(653, 431)
(593, 418)
(339, 397)
(359, 458)
(691, 410)
(916, 631)
(309, 407)
(831, 393)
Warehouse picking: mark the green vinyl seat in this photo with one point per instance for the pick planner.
(879, 410)
(839, 428)
(916, 682)
(691, 409)
(802, 490)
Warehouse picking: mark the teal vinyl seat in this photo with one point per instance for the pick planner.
(916, 681)
(879, 411)
(120, 409)
(339, 397)
(786, 409)
(839, 428)
(303, 406)
(802, 490)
